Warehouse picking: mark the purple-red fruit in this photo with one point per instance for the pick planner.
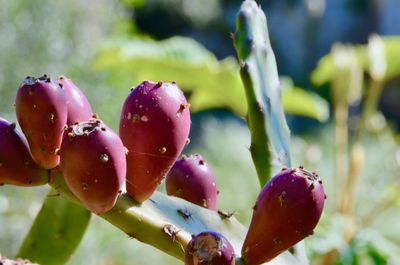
(287, 210)
(209, 248)
(78, 106)
(154, 127)
(191, 179)
(16, 164)
(41, 109)
(94, 165)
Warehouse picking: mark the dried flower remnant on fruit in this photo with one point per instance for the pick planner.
(209, 248)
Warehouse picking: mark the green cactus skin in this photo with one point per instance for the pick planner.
(56, 232)
(168, 223)
(266, 119)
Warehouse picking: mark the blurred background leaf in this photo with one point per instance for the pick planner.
(209, 82)
(325, 70)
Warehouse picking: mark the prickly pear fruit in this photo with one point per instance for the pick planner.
(16, 164)
(191, 179)
(154, 127)
(209, 248)
(78, 106)
(41, 109)
(94, 165)
(287, 210)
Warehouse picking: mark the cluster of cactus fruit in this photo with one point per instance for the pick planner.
(63, 135)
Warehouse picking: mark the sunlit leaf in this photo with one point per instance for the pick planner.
(210, 83)
(325, 69)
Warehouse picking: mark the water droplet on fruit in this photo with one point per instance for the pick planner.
(1, 164)
(96, 180)
(104, 158)
(129, 116)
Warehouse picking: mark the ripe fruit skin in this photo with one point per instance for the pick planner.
(191, 179)
(94, 165)
(209, 248)
(16, 164)
(287, 210)
(78, 106)
(154, 127)
(41, 109)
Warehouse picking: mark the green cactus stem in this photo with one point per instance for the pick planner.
(168, 222)
(266, 119)
(53, 231)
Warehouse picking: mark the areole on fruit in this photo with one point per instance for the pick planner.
(154, 127)
(41, 109)
(94, 165)
(209, 248)
(287, 210)
(16, 164)
(191, 178)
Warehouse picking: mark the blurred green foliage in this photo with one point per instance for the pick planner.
(324, 72)
(209, 82)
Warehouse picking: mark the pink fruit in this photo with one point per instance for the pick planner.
(16, 164)
(41, 109)
(93, 163)
(209, 248)
(287, 210)
(78, 106)
(191, 179)
(154, 126)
